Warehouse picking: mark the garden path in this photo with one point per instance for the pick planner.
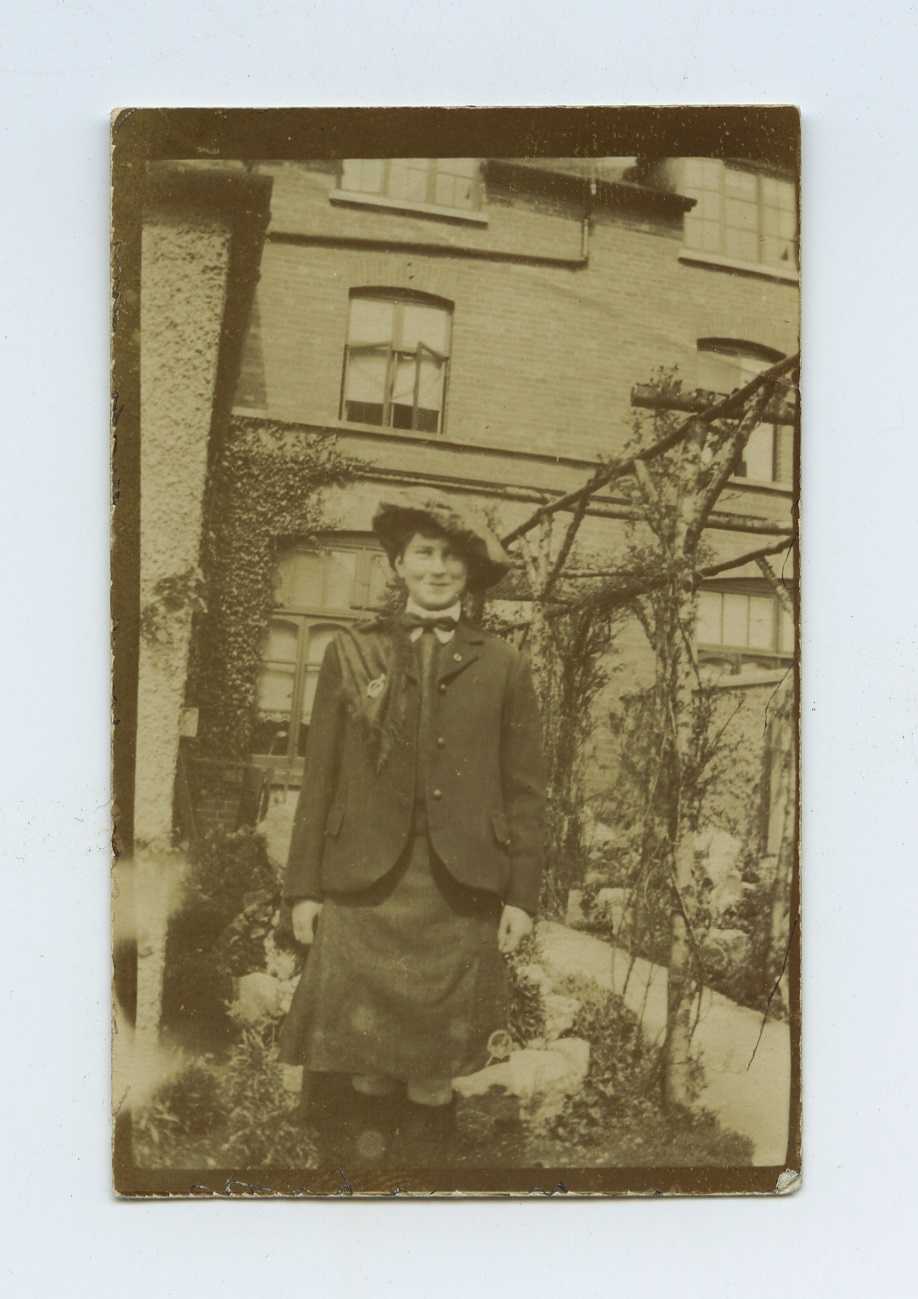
(746, 1076)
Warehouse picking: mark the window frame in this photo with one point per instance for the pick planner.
(740, 350)
(694, 248)
(398, 299)
(738, 655)
(306, 618)
(435, 168)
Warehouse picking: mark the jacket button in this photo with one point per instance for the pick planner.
(442, 688)
(440, 741)
(438, 793)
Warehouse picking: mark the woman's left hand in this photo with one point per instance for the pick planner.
(515, 925)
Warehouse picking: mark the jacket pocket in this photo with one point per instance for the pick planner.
(335, 818)
(501, 829)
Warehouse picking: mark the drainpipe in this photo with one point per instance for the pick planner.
(587, 222)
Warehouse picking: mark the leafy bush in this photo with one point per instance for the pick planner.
(263, 1127)
(236, 1115)
(219, 931)
(619, 1108)
(527, 1009)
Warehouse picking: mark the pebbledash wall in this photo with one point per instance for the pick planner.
(564, 296)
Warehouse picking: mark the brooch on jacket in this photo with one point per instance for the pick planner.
(376, 686)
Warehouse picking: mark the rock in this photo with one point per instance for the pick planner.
(575, 915)
(292, 1077)
(724, 951)
(540, 1080)
(726, 895)
(277, 828)
(560, 1013)
(721, 855)
(612, 905)
(257, 995)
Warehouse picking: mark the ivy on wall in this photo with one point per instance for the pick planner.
(268, 482)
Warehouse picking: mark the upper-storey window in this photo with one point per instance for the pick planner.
(740, 214)
(433, 182)
(725, 365)
(396, 360)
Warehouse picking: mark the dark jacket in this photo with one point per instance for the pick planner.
(483, 774)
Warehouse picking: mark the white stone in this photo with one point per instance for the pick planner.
(257, 995)
(540, 1080)
(575, 915)
(277, 828)
(560, 1013)
(722, 856)
(292, 1077)
(612, 904)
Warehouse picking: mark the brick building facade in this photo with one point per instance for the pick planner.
(479, 325)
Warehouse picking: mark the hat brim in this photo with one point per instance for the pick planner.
(397, 517)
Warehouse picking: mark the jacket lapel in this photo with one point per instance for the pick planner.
(460, 652)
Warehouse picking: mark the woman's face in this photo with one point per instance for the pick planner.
(433, 570)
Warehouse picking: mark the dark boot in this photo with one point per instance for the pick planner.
(352, 1130)
(425, 1137)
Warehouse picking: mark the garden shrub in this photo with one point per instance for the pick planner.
(619, 1109)
(218, 932)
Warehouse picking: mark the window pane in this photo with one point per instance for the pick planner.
(692, 174)
(430, 387)
(371, 321)
(319, 638)
(736, 619)
(280, 642)
(300, 580)
(340, 569)
(366, 376)
(403, 381)
(363, 174)
(761, 622)
(788, 638)
(379, 577)
(741, 216)
(741, 244)
(458, 166)
(427, 325)
(274, 695)
(759, 454)
(709, 610)
(710, 237)
(408, 179)
(740, 182)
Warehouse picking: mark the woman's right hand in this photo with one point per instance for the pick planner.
(304, 917)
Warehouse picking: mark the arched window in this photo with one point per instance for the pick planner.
(318, 590)
(725, 364)
(396, 360)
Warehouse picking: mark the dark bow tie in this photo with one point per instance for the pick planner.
(411, 620)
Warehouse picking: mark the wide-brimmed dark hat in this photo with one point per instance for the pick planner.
(398, 513)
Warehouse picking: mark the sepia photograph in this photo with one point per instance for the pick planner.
(456, 465)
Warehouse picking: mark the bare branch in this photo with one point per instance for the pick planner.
(602, 477)
(776, 584)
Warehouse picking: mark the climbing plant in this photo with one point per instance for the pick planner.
(267, 483)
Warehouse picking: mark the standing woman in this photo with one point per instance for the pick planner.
(416, 855)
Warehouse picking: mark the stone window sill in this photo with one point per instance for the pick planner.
(695, 257)
(351, 199)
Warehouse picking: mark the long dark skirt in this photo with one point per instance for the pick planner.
(404, 979)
